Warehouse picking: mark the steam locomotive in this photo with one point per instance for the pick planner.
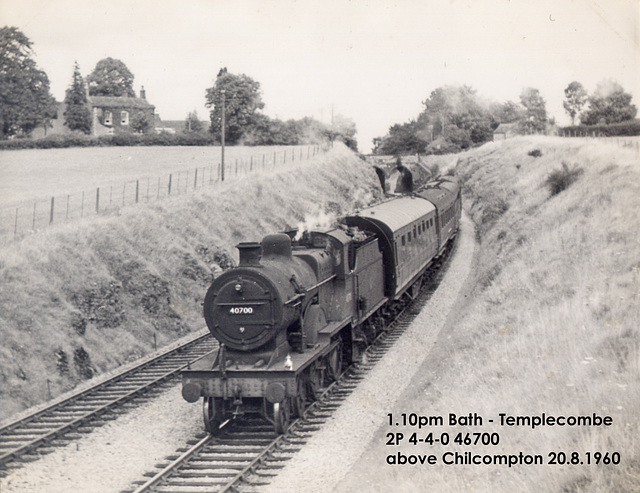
(297, 310)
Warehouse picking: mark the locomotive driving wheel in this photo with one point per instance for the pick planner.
(300, 400)
(281, 416)
(334, 364)
(213, 414)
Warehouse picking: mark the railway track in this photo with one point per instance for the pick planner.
(248, 454)
(39, 433)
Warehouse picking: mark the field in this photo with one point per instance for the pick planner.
(44, 187)
(34, 174)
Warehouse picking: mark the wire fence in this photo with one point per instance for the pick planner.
(25, 218)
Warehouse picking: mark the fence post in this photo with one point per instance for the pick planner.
(124, 190)
(98, 200)
(51, 212)
(195, 180)
(137, 190)
(169, 190)
(236, 166)
(68, 197)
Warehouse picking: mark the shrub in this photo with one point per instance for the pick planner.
(535, 153)
(628, 128)
(560, 179)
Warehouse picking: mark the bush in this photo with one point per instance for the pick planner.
(123, 139)
(535, 153)
(624, 129)
(560, 179)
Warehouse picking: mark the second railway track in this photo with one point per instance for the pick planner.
(26, 439)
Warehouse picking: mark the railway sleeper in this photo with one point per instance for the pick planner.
(198, 484)
(207, 465)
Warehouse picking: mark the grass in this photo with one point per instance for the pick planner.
(38, 174)
(114, 286)
(553, 321)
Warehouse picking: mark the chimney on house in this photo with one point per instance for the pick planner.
(143, 93)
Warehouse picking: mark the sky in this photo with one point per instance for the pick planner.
(371, 61)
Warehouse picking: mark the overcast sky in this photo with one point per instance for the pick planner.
(372, 61)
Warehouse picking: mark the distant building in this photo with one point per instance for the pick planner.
(505, 130)
(111, 114)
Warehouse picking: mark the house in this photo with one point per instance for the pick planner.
(505, 130)
(111, 114)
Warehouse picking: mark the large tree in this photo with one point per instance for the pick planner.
(25, 99)
(111, 77)
(243, 100)
(609, 104)
(77, 115)
(536, 110)
(461, 107)
(575, 98)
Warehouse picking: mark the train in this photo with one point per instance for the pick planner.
(302, 306)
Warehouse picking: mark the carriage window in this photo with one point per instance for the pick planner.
(404, 241)
(414, 232)
(409, 235)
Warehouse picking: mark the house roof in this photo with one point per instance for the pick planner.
(119, 102)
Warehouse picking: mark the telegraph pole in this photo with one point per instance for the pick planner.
(223, 124)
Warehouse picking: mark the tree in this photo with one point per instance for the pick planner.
(536, 113)
(242, 102)
(461, 107)
(402, 138)
(192, 123)
(111, 77)
(576, 97)
(609, 104)
(140, 122)
(77, 115)
(508, 112)
(25, 100)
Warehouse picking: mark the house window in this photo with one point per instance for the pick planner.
(124, 118)
(107, 117)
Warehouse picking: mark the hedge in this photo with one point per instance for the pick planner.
(78, 140)
(625, 129)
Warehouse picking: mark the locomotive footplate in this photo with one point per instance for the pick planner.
(274, 382)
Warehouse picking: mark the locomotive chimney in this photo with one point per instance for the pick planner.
(276, 245)
(249, 253)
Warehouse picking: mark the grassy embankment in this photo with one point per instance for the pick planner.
(81, 298)
(551, 321)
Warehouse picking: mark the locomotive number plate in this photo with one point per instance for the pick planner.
(241, 310)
